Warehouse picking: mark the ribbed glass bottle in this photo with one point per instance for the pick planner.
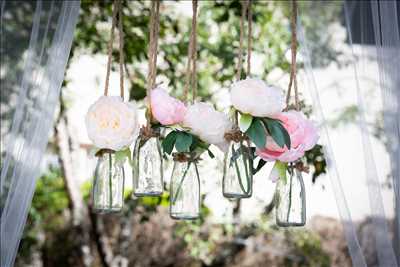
(108, 185)
(185, 191)
(291, 200)
(237, 181)
(147, 167)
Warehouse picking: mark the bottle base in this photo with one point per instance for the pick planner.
(235, 196)
(148, 194)
(107, 210)
(182, 216)
(290, 224)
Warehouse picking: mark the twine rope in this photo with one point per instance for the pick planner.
(191, 67)
(249, 35)
(246, 8)
(110, 43)
(240, 52)
(152, 53)
(293, 66)
(121, 50)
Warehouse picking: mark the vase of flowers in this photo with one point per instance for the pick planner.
(290, 197)
(185, 187)
(108, 185)
(281, 136)
(111, 124)
(148, 164)
(191, 130)
(237, 181)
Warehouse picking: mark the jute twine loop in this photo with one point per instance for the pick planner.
(117, 8)
(293, 66)
(191, 67)
(191, 79)
(152, 54)
(236, 135)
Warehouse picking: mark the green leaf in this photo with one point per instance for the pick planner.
(210, 153)
(277, 132)
(260, 164)
(285, 135)
(279, 170)
(183, 142)
(195, 143)
(245, 122)
(256, 133)
(235, 155)
(169, 142)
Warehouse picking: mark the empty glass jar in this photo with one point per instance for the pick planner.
(291, 200)
(108, 185)
(237, 179)
(185, 191)
(147, 167)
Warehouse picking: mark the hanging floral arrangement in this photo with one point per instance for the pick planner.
(280, 132)
(148, 174)
(192, 128)
(111, 124)
(289, 134)
(237, 181)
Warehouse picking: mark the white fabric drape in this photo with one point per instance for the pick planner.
(36, 39)
(383, 15)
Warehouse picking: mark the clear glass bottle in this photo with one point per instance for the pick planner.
(237, 181)
(147, 167)
(291, 200)
(185, 191)
(108, 185)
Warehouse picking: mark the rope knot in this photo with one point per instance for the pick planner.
(185, 157)
(301, 167)
(148, 132)
(235, 135)
(103, 151)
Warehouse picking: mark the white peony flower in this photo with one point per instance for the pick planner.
(255, 97)
(208, 124)
(111, 123)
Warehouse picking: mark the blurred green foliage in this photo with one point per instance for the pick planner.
(218, 41)
(308, 247)
(48, 211)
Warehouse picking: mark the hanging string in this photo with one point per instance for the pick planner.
(246, 8)
(249, 36)
(121, 50)
(110, 43)
(293, 66)
(194, 51)
(152, 52)
(240, 52)
(191, 67)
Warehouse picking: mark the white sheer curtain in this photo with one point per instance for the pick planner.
(378, 32)
(36, 38)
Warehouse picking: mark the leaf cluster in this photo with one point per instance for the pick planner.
(261, 127)
(183, 141)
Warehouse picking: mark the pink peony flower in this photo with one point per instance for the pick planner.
(303, 137)
(166, 109)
